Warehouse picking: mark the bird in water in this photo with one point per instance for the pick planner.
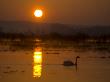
(70, 63)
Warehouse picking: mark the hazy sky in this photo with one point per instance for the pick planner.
(61, 11)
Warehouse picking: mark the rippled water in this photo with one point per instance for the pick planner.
(44, 65)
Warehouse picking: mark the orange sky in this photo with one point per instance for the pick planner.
(61, 11)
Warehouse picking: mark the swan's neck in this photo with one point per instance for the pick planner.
(76, 62)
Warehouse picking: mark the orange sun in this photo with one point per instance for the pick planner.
(38, 13)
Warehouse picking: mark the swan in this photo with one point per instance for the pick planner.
(70, 63)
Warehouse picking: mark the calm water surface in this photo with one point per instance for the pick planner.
(44, 65)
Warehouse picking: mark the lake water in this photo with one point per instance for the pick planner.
(44, 65)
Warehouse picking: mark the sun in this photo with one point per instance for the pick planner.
(38, 13)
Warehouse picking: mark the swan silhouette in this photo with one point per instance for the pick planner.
(70, 63)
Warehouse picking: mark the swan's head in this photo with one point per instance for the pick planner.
(77, 57)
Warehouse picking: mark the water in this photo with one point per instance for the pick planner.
(32, 66)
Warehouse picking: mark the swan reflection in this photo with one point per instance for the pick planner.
(37, 62)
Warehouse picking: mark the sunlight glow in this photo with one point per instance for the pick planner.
(38, 13)
(37, 67)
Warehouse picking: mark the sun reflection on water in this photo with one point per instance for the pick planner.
(37, 63)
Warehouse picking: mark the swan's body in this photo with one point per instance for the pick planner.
(70, 63)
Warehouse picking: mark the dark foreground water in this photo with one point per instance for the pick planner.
(44, 65)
